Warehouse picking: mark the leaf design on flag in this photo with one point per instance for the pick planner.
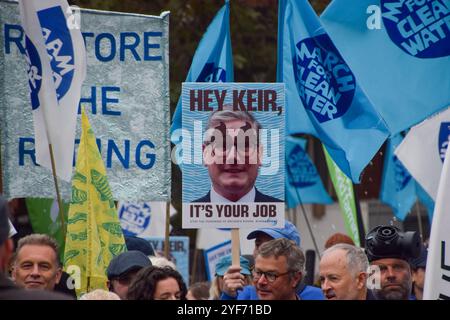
(81, 236)
(78, 176)
(78, 196)
(79, 216)
(116, 249)
(113, 228)
(70, 255)
(100, 183)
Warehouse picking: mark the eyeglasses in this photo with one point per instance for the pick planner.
(270, 276)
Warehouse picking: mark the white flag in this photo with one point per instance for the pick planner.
(56, 58)
(437, 276)
(422, 151)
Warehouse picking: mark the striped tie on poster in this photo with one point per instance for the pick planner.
(56, 58)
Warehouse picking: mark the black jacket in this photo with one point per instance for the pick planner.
(8, 291)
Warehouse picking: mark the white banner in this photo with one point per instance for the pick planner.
(437, 276)
(56, 59)
(237, 215)
(422, 151)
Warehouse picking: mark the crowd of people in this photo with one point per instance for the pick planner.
(386, 270)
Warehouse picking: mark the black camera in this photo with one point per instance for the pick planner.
(389, 242)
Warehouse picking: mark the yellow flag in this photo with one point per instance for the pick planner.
(94, 235)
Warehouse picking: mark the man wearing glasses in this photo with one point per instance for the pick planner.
(233, 154)
(234, 286)
(277, 273)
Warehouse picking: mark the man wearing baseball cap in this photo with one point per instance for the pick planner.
(122, 270)
(234, 287)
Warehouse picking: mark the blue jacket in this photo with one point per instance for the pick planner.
(249, 293)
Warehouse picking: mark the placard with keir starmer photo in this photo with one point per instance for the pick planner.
(232, 155)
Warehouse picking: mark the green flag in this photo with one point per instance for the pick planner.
(44, 218)
(344, 190)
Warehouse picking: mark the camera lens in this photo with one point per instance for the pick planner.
(387, 233)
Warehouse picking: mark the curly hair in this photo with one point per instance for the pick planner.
(144, 284)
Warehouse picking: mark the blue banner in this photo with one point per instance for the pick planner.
(400, 53)
(213, 60)
(322, 95)
(303, 183)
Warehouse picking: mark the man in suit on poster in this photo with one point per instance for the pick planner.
(232, 153)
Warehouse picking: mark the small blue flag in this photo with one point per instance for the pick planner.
(323, 97)
(426, 200)
(398, 188)
(213, 60)
(303, 183)
(400, 53)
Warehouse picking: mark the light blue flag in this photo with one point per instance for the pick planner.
(400, 53)
(426, 200)
(323, 96)
(303, 183)
(213, 60)
(398, 187)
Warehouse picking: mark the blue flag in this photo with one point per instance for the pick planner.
(322, 95)
(398, 188)
(213, 60)
(426, 200)
(400, 53)
(303, 183)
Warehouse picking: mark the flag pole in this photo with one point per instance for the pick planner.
(419, 220)
(166, 238)
(359, 220)
(58, 194)
(1, 174)
(194, 266)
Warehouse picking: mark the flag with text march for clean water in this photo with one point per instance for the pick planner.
(399, 51)
(56, 59)
(213, 60)
(323, 96)
(303, 183)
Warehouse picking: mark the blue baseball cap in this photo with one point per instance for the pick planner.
(125, 262)
(225, 262)
(289, 232)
